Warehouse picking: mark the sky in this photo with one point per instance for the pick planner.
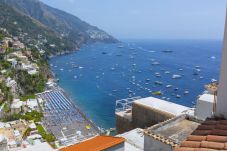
(151, 19)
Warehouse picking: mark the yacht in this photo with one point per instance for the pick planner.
(168, 86)
(178, 96)
(176, 76)
(186, 92)
(158, 83)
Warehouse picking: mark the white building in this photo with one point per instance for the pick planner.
(222, 88)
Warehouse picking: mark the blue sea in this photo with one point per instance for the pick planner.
(99, 74)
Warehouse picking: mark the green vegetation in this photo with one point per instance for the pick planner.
(4, 64)
(33, 116)
(30, 84)
(1, 36)
(26, 97)
(29, 116)
(7, 95)
(47, 136)
(26, 133)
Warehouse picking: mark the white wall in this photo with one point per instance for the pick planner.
(222, 89)
(119, 147)
(204, 106)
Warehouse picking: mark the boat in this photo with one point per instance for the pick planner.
(213, 57)
(196, 71)
(147, 80)
(157, 93)
(155, 63)
(176, 76)
(214, 80)
(186, 92)
(168, 86)
(104, 53)
(158, 83)
(180, 69)
(178, 96)
(120, 46)
(167, 72)
(157, 74)
(167, 51)
(176, 89)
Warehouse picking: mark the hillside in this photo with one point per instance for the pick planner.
(55, 30)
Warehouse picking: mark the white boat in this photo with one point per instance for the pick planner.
(155, 63)
(186, 92)
(214, 80)
(158, 82)
(157, 74)
(178, 96)
(167, 72)
(176, 76)
(213, 57)
(168, 86)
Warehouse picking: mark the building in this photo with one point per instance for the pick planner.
(134, 139)
(169, 134)
(211, 135)
(38, 146)
(16, 106)
(222, 87)
(145, 112)
(99, 143)
(205, 106)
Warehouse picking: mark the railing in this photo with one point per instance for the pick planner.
(125, 104)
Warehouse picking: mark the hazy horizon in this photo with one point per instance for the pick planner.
(150, 19)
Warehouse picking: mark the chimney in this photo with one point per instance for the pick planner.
(221, 109)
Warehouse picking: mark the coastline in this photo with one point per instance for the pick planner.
(97, 128)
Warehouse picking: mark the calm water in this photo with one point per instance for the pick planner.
(99, 74)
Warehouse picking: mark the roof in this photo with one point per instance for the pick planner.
(134, 139)
(211, 135)
(172, 132)
(37, 147)
(159, 104)
(207, 98)
(95, 144)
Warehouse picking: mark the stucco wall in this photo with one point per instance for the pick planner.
(151, 144)
(222, 88)
(143, 116)
(123, 124)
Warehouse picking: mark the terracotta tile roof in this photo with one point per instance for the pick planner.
(211, 135)
(95, 144)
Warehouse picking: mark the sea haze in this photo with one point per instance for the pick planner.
(99, 74)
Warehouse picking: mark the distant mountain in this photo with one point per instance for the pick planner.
(59, 29)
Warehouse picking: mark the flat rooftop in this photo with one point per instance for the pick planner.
(207, 98)
(134, 139)
(174, 130)
(162, 105)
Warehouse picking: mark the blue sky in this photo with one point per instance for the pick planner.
(151, 19)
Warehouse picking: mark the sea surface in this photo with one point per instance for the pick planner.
(99, 74)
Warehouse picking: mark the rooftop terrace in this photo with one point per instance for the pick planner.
(172, 131)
